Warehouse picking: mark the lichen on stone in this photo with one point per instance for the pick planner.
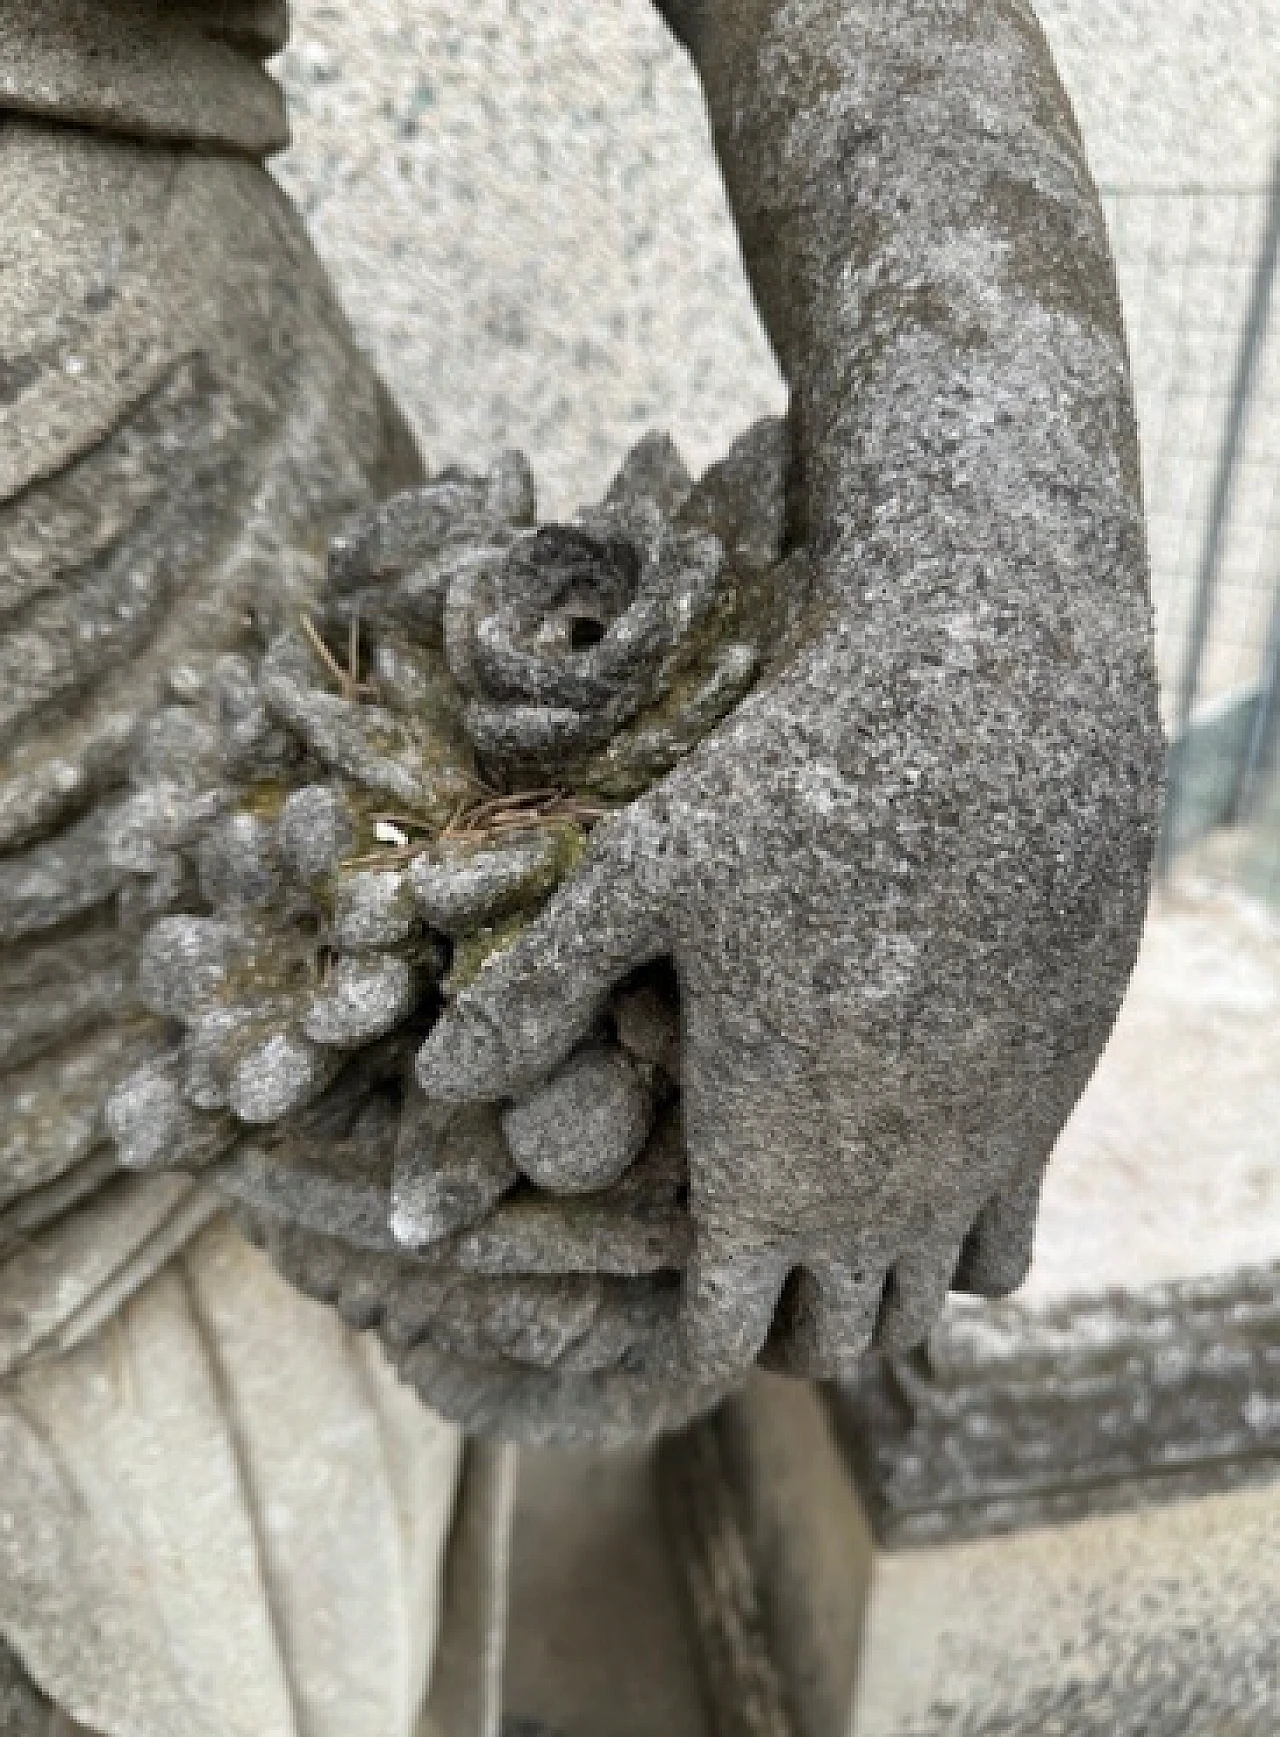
(364, 806)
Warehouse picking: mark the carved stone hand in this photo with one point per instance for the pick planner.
(750, 871)
(520, 1256)
(903, 885)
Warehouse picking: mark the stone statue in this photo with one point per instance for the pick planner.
(597, 955)
(184, 417)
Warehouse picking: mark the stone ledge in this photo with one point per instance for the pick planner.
(1015, 1416)
(968, 1586)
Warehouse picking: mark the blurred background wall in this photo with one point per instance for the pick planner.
(519, 202)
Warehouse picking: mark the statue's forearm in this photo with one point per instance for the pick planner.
(929, 256)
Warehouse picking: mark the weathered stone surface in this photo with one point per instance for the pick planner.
(460, 887)
(57, 880)
(185, 961)
(597, 1234)
(583, 1129)
(413, 546)
(648, 1028)
(238, 863)
(452, 1169)
(52, 990)
(601, 652)
(877, 691)
(278, 1074)
(53, 1105)
(333, 914)
(362, 999)
(1023, 1415)
(903, 885)
(1078, 1565)
(891, 794)
(373, 910)
(164, 1574)
(207, 1057)
(315, 831)
(155, 1128)
(181, 407)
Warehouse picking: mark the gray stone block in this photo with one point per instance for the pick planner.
(975, 1549)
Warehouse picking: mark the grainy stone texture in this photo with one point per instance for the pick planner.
(903, 885)
(584, 1129)
(1149, 1620)
(522, 212)
(144, 67)
(1019, 1416)
(183, 415)
(900, 881)
(313, 956)
(163, 1571)
(57, 868)
(566, 272)
(169, 442)
(160, 452)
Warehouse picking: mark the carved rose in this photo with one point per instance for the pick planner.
(574, 634)
(351, 819)
(598, 653)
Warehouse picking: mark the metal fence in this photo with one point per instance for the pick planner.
(1219, 618)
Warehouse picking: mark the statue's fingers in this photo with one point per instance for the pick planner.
(580, 1131)
(537, 999)
(731, 1294)
(914, 1295)
(827, 1324)
(997, 1252)
(538, 1234)
(452, 1168)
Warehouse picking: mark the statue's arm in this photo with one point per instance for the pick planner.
(903, 886)
(930, 258)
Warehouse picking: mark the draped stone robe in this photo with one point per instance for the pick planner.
(219, 1514)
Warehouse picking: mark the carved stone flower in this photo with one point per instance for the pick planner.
(350, 818)
(598, 653)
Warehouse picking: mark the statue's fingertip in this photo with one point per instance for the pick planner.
(460, 1062)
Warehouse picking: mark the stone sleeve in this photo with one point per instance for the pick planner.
(188, 71)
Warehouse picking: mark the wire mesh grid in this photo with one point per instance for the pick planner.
(1199, 273)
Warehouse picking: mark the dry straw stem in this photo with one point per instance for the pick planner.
(496, 817)
(349, 682)
(524, 811)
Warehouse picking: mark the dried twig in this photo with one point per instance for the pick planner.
(523, 812)
(349, 684)
(498, 816)
(385, 858)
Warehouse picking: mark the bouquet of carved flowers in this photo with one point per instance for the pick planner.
(347, 821)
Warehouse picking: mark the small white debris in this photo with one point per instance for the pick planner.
(387, 833)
